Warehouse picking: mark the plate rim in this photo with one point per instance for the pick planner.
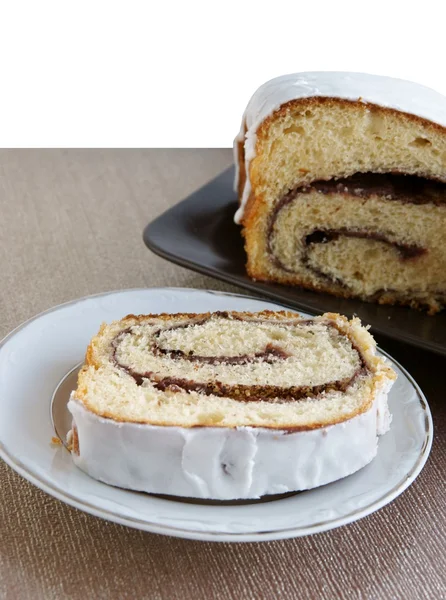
(267, 535)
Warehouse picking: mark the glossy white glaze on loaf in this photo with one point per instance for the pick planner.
(224, 463)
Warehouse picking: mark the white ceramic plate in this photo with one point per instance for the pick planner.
(38, 355)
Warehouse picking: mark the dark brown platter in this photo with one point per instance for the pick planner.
(199, 233)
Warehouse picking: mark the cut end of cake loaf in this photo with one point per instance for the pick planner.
(268, 370)
(346, 195)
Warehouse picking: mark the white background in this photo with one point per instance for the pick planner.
(179, 74)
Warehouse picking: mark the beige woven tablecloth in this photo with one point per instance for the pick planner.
(70, 225)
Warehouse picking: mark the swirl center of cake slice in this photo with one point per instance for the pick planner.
(269, 369)
(239, 351)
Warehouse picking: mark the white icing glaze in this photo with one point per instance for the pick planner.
(388, 92)
(223, 463)
(383, 416)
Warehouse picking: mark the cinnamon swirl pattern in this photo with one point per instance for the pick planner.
(351, 236)
(278, 352)
(269, 369)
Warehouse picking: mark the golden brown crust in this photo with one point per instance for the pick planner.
(241, 164)
(389, 299)
(275, 314)
(74, 448)
(375, 365)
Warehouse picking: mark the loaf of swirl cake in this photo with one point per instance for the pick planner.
(342, 185)
(229, 405)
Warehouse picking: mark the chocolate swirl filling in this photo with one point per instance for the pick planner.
(241, 392)
(323, 236)
(391, 187)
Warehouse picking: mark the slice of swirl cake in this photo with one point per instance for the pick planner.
(229, 405)
(342, 186)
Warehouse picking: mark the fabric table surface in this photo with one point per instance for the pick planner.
(71, 225)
